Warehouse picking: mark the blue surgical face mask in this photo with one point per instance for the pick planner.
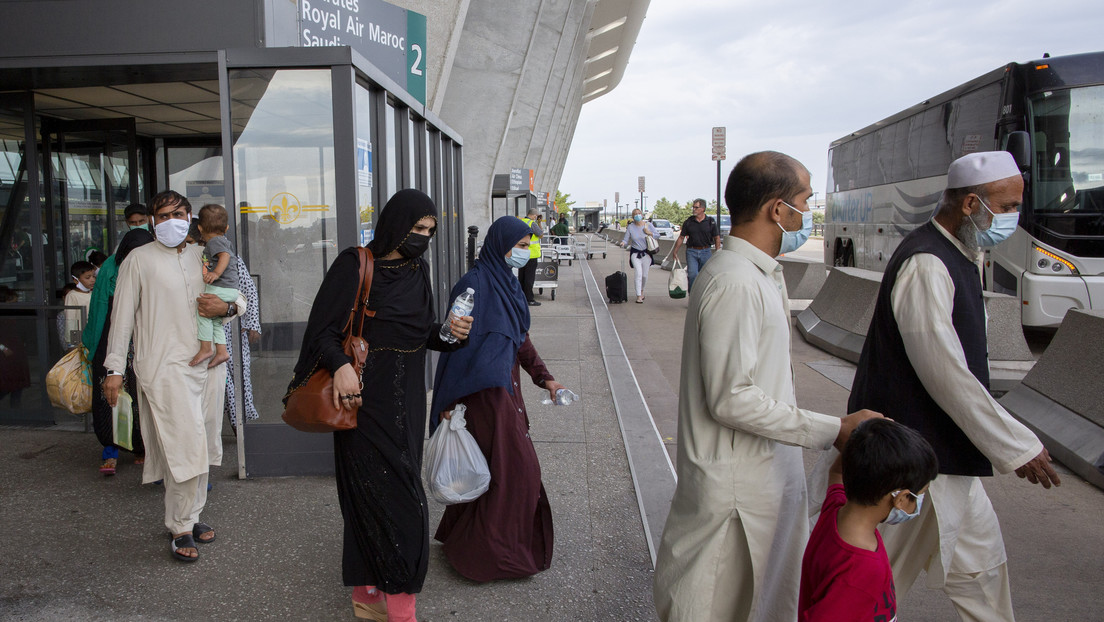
(792, 240)
(145, 226)
(518, 257)
(637, 218)
(898, 516)
(1000, 229)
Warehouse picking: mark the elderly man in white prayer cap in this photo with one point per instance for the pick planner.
(925, 364)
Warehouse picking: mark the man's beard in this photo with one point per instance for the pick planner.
(967, 234)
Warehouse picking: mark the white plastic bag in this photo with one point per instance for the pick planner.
(455, 468)
(678, 283)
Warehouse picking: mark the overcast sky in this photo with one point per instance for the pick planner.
(793, 76)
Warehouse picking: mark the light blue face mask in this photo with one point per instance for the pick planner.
(145, 226)
(518, 257)
(1000, 229)
(898, 516)
(792, 240)
(637, 218)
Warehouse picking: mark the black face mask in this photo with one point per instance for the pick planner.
(414, 245)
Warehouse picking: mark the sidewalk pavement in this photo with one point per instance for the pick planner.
(77, 545)
(80, 546)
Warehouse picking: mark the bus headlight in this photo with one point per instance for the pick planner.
(1048, 262)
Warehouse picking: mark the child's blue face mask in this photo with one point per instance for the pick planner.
(898, 516)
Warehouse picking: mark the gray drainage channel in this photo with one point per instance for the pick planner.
(652, 472)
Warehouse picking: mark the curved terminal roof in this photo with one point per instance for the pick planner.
(612, 35)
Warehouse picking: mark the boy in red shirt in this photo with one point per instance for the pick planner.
(881, 476)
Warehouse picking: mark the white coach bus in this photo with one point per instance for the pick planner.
(886, 179)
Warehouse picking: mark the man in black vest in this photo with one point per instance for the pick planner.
(925, 364)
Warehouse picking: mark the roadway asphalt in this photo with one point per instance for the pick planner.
(1054, 538)
(77, 545)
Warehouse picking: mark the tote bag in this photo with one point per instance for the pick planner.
(678, 283)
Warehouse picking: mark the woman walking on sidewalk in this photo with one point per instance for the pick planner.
(507, 532)
(378, 464)
(640, 258)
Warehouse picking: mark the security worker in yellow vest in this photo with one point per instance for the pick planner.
(528, 274)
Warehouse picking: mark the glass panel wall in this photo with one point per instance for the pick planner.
(366, 208)
(16, 261)
(284, 177)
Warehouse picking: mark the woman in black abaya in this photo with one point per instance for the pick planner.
(379, 485)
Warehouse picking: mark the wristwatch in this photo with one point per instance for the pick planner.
(231, 309)
(112, 372)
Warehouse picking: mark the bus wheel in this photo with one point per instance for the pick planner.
(844, 255)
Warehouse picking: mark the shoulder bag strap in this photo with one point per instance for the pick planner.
(348, 329)
(367, 263)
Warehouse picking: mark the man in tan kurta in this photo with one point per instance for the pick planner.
(732, 546)
(180, 405)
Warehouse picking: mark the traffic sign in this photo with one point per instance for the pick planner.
(640, 183)
(718, 143)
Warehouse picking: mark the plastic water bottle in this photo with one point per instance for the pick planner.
(564, 397)
(460, 307)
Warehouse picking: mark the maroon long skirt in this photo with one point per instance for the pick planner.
(507, 532)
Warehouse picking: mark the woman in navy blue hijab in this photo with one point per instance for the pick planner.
(507, 532)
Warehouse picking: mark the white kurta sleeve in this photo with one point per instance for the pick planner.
(128, 292)
(922, 300)
(729, 362)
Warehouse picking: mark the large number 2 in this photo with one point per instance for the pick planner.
(414, 69)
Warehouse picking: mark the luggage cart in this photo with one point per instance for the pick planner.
(581, 245)
(548, 272)
(596, 244)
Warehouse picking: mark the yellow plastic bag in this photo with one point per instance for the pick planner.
(122, 421)
(69, 382)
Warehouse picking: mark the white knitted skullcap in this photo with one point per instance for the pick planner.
(975, 169)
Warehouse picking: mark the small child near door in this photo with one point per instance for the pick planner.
(221, 276)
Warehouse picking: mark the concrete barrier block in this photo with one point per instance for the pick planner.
(847, 299)
(839, 316)
(1059, 399)
(1070, 370)
(1004, 332)
(804, 277)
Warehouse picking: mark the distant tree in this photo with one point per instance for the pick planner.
(818, 217)
(563, 203)
(663, 208)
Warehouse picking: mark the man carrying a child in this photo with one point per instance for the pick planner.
(158, 291)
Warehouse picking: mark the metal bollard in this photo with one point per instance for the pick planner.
(473, 232)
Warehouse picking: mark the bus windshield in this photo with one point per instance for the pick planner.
(1068, 135)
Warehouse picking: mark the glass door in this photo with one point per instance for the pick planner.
(91, 176)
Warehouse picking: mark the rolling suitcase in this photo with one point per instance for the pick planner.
(617, 287)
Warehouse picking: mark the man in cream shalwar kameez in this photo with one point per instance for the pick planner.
(180, 405)
(732, 545)
(956, 538)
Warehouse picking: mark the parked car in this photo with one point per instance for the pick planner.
(663, 228)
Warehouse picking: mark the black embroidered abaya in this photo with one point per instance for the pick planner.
(378, 465)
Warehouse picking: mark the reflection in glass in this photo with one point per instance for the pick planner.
(366, 209)
(284, 182)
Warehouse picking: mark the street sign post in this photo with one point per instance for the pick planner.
(718, 156)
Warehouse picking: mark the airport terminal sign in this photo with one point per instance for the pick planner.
(390, 37)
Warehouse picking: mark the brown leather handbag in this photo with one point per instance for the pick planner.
(309, 407)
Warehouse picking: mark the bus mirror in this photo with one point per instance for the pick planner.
(1019, 145)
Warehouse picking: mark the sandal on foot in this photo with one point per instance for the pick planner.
(201, 528)
(108, 466)
(185, 541)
